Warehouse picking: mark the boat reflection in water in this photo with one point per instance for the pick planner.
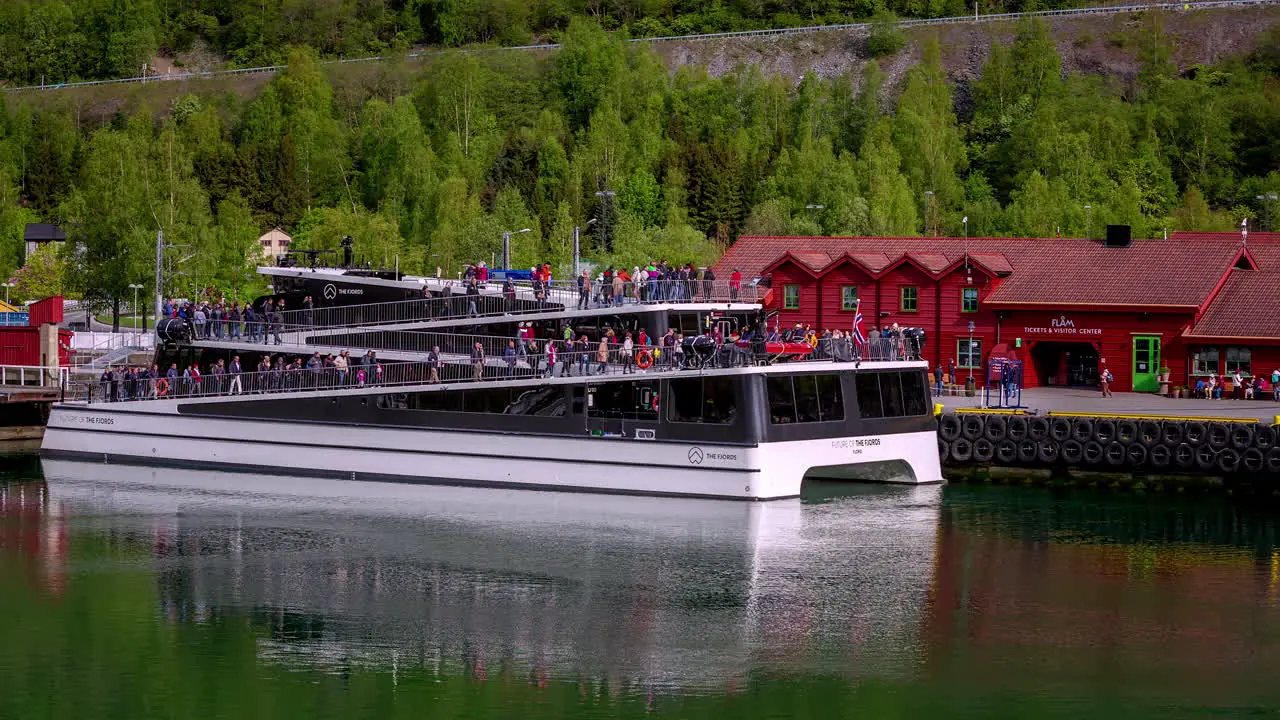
(671, 594)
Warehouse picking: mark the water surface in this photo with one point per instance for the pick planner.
(138, 592)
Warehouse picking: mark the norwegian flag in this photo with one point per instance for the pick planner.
(858, 337)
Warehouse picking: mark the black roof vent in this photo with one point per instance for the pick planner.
(1118, 237)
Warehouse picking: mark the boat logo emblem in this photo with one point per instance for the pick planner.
(330, 292)
(695, 455)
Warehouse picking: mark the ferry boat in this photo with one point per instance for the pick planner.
(750, 420)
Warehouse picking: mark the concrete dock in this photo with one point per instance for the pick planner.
(1045, 400)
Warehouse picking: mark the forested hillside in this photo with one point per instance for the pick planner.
(55, 41)
(434, 168)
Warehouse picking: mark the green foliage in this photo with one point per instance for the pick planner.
(43, 275)
(886, 36)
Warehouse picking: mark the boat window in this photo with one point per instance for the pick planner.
(804, 398)
(915, 393)
(892, 394)
(635, 400)
(868, 385)
(711, 400)
(545, 402)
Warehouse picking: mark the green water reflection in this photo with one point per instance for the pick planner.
(240, 597)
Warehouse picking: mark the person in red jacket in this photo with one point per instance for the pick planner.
(735, 285)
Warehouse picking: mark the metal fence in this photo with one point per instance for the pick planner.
(995, 17)
(589, 362)
(33, 375)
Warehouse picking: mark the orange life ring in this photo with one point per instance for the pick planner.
(644, 359)
(162, 387)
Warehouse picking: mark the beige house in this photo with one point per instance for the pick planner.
(274, 244)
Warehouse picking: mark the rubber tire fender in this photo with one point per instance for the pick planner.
(1038, 428)
(1253, 460)
(1060, 429)
(1006, 452)
(1149, 433)
(1082, 429)
(1264, 437)
(1127, 431)
(1027, 451)
(1273, 460)
(1184, 456)
(983, 450)
(1206, 457)
(1048, 452)
(1242, 436)
(1135, 454)
(1019, 428)
(1104, 430)
(1115, 453)
(1195, 433)
(961, 450)
(971, 427)
(1219, 435)
(1172, 433)
(1160, 456)
(1072, 452)
(1095, 453)
(996, 428)
(949, 427)
(1228, 460)
(944, 451)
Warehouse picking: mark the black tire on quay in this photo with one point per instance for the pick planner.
(1006, 452)
(1149, 433)
(944, 450)
(996, 428)
(949, 427)
(1095, 453)
(1160, 456)
(961, 450)
(1206, 457)
(971, 427)
(1273, 460)
(1219, 435)
(1228, 460)
(1127, 430)
(1047, 452)
(1028, 451)
(1115, 453)
(1135, 454)
(1184, 456)
(983, 450)
(1253, 460)
(1195, 433)
(1104, 430)
(1172, 433)
(1059, 429)
(1082, 429)
(1264, 437)
(1038, 428)
(1018, 428)
(1242, 436)
(1071, 452)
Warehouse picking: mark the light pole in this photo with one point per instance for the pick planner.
(968, 277)
(969, 360)
(605, 197)
(815, 208)
(1088, 222)
(506, 246)
(135, 287)
(6, 290)
(1266, 212)
(577, 247)
(927, 195)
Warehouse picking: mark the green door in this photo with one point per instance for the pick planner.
(1146, 363)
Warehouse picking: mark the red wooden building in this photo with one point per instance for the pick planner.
(22, 345)
(1197, 303)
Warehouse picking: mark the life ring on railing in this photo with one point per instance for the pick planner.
(644, 360)
(162, 387)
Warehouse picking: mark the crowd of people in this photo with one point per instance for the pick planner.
(218, 320)
(222, 378)
(1216, 387)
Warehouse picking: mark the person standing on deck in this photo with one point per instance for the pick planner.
(433, 365)
(937, 380)
(477, 361)
(1104, 379)
(236, 387)
(628, 354)
(1275, 383)
(510, 354)
(602, 355)
(583, 350)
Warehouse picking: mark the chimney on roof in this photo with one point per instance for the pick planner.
(1118, 236)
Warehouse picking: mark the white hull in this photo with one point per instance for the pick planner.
(155, 432)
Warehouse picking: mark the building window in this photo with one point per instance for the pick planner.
(1239, 359)
(849, 297)
(969, 353)
(1205, 362)
(910, 299)
(790, 297)
(969, 300)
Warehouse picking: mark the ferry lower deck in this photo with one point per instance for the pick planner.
(747, 433)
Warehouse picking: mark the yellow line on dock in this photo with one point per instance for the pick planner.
(990, 411)
(1181, 418)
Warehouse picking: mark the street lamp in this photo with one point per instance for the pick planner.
(968, 276)
(969, 359)
(605, 196)
(135, 289)
(506, 246)
(1266, 213)
(1088, 222)
(6, 290)
(577, 247)
(927, 194)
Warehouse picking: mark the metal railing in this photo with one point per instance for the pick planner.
(576, 362)
(958, 19)
(34, 375)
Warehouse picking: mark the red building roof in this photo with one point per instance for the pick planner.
(1245, 307)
